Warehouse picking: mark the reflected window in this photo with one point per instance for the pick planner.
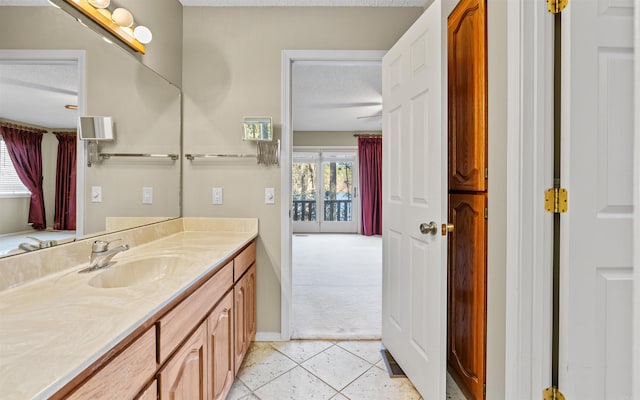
(10, 183)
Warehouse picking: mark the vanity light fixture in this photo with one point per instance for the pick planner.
(119, 22)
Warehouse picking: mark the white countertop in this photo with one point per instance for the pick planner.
(55, 327)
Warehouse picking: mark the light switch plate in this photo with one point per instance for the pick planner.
(217, 196)
(147, 195)
(269, 196)
(96, 194)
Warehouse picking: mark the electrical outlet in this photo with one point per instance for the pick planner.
(217, 196)
(96, 194)
(269, 196)
(147, 195)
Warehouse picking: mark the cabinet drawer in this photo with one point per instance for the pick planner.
(178, 322)
(243, 261)
(125, 375)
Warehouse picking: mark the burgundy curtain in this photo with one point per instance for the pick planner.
(25, 150)
(370, 162)
(65, 213)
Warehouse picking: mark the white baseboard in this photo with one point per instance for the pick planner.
(268, 337)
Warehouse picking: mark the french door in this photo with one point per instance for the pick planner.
(324, 188)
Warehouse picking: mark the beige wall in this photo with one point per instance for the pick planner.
(309, 138)
(14, 212)
(232, 68)
(145, 109)
(497, 239)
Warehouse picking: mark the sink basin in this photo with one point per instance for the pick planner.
(143, 270)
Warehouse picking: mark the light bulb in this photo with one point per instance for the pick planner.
(142, 34)
(100, 3)
(122, 17)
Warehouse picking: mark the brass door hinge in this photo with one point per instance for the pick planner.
(555, 200)
(556, 6)
(552, 394)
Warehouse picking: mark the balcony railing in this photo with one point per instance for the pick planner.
(334, 210)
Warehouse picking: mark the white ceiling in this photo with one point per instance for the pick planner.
(264, 3)
(36, 93)
(337, 96)
(305, 3)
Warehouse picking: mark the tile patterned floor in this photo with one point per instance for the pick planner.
(322, 370)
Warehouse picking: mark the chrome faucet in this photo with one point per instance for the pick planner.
(101, 254)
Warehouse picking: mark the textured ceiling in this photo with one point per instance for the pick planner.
(264, 3)
(337, 96)
(305, 3)
(37, 93)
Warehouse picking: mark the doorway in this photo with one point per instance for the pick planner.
(336, 273)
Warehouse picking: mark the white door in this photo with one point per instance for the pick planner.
(414, 192)
(597, 170)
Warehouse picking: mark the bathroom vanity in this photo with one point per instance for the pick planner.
(173, 317)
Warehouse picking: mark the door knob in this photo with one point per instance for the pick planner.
(431, 228)
(446, 228)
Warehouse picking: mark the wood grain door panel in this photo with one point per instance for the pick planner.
(221, 354)
(184, 377)
(467, 60)
(467, 293)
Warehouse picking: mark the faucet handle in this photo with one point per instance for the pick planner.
(99, 246)
(102, 245)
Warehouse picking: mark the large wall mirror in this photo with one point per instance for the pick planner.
(49, 61)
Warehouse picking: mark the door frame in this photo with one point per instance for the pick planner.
(529, 155)
(636, 204)
(529, 174)
(288, 57)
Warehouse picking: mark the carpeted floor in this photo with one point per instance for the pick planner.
(337, 286)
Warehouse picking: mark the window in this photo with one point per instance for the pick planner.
(10, 183)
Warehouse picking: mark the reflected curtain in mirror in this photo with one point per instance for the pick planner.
(370, 166)
(25, 150)
(65, 206)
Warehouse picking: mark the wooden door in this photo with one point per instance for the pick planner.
(184, 377)
(221, 355)
(467, 67)
(414, 192)
(245, 314)
(596, 243)
(467, 295)
(150, 392)
(468, 174)
(251, 312)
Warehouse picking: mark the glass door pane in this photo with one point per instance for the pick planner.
(338, 191)
(304, 190)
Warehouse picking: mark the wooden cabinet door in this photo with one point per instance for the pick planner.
(245, 314)
(221, 354)
(467, 293)
(467, 63)
(150, 393)
(184, 377)
(240, 338)
(251, 304)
